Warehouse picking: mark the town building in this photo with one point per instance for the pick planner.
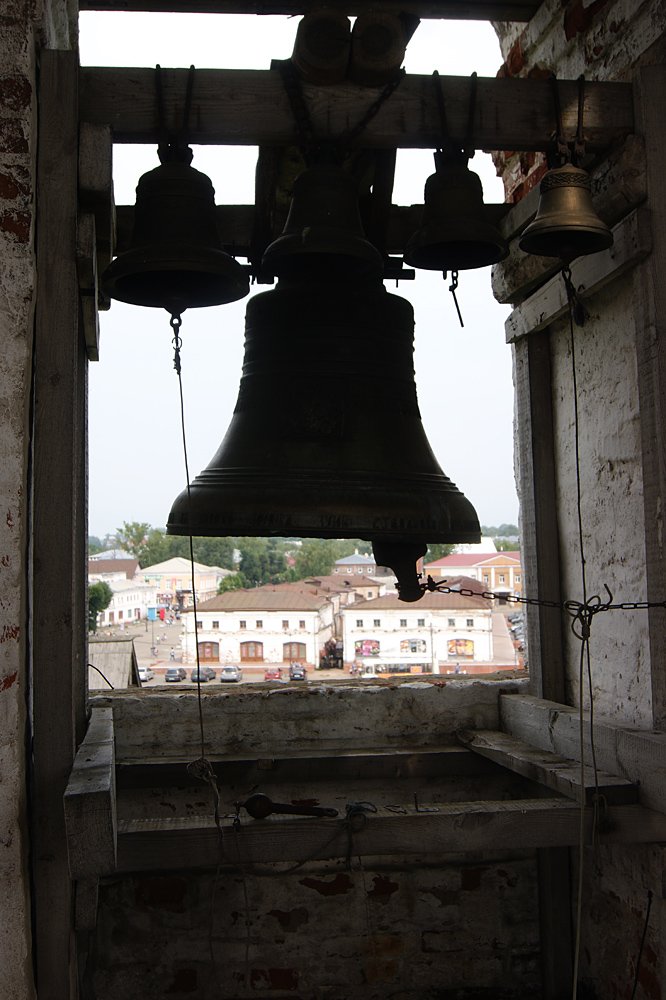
(130, 602)
(500, 573)
(360, 564)
(100, 570)
(172, 580)
(443, 633)
(265, 625)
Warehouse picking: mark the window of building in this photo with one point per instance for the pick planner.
(376, 622)
(242, 624)
(252, 651)
(403, 623)
(420, 622)
(199, 625)
(360, 570)
(259, 623)
(215, 625)
(368, 594)
(486, 578)
(451, 622)
(209, 652)
(285, 623)
(111, 617)
(470, 623)
(301, 624)
(412, 646)
(292, 651)
(502, 578)
(517, 577)
(359, 623)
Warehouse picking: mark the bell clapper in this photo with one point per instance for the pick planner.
(452, 288)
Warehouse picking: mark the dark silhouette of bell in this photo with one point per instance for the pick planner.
(326, 440)
(566, 224)
(323, 236)
(175, 260)
(455, 233)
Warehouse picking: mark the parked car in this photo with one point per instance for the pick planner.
(145, 674)
(231, 673)
(204, 674)
(273, 674)
(297, 672)
(175, 674)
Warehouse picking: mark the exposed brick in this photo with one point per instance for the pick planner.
(335, 887)
(14, 183)
(16, 224)
(578, 17)
(15, 93)
(13, 136)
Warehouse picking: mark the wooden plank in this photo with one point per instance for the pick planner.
(619, 184)
(561, 774)
(650, 299)
(632, 239)
(483, 10)
(90, 801)
(96, 191)
(86, 269)
(151, 845)
(639, 756)
(538, 512)
(250, 107)
(59, 528)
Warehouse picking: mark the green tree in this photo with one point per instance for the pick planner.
(315, 557)
(233, 582)
(99, 598)
(94, 544)
(438, 551)
(133, 537)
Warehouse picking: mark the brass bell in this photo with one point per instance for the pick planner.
(326, 440)
(175, 260)
(566, 224)
(455, 233)
(323, 236)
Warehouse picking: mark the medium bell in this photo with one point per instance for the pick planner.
(455, 233)
(566, 224)
(326, 440)
(175, 260)
(323, 236)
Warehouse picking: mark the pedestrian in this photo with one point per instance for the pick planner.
(172, 654)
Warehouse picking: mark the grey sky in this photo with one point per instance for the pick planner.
(463, 376)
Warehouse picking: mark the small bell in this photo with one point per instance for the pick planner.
(566, 224)
(175, 260)
(323, 236)
(455, 233)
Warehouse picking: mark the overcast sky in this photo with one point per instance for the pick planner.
(463, 376)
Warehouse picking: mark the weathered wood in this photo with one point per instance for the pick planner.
(322, 46)
(149, 845)
(250, 107)
(59, 519)
(484, 10)
(281, 722)
(90, 801)
(639, 756)
(650, 299)
(96, 191)
(86, 269)
(538, 513)
(619, 184)
(561, 774)
(632, 240)
(85, 905)
(377, 49)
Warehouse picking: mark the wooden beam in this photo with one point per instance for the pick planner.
(250, 107)
(632, 241)
(550, 725)
(480, 10)
(90, 801)
(152, 845)
(86, 269)
(59, 519)
(560, 774)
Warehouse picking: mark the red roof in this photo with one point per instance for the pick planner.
(475, 559)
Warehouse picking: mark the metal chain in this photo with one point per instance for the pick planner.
(374, 108)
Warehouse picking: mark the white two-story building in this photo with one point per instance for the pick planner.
(442, 633)
(270, 625)
(130, 602)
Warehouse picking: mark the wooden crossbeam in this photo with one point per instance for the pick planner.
(152, 845)
(90, 801)
(250, 107)
(561, 774)
(480, 10)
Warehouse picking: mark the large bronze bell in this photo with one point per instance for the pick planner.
(175, 260)
(323, 236)
(326, 440)
(455, 232)
(566, 224)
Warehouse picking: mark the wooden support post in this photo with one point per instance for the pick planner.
(59, 526)
(378, 48)
(650, 299)
(90, 801)
(322, 46)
